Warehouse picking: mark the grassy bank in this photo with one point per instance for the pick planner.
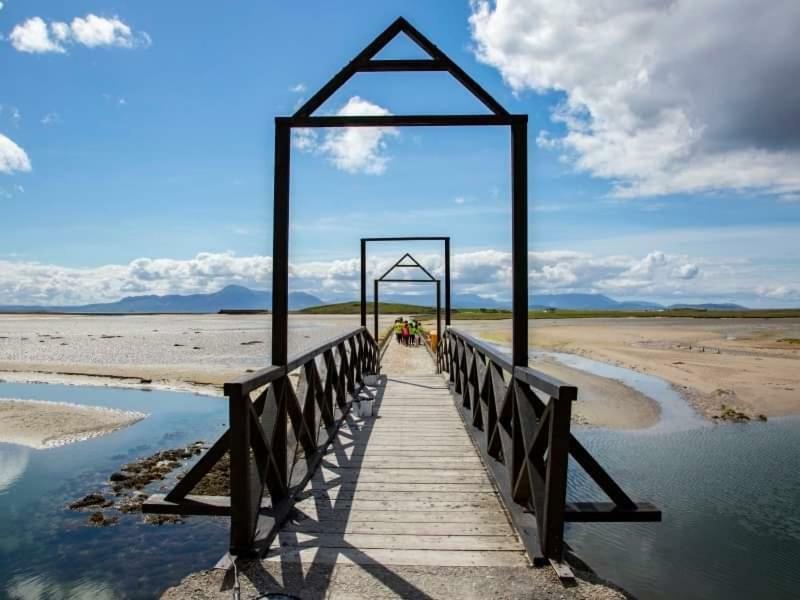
(471, 314)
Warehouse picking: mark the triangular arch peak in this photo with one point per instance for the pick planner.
(366, 62)
(413, 263)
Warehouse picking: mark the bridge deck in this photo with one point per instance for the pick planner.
(405, 487)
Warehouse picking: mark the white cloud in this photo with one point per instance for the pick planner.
(687, 271)
(661, 96)
(656, 275)
(93, 31)
(352, 149)
(12, 157)
(36, 36)
(13, 113)
(459, 200)
(33, 36)
(50, 119)
(299, 88)
(304, 139)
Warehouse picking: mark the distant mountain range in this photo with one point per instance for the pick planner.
(232, 297)
(237, 297)
(561, 301)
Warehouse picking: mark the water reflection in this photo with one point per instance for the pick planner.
(13, 461)
(47, 551)
(39, 587)
(676, 413)
(729, 494)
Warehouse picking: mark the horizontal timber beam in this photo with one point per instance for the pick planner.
(402, 65)
(402, 120)
(423, 238)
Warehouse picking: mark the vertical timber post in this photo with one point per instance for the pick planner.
(363, 283)
(242, 510)
(552, 538)
(280, 243)
(375, 311)
(438, 321)
(519, 239)
(446, 282)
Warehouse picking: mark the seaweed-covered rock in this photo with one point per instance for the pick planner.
(94, 499)
(98, 519)
(163, 519)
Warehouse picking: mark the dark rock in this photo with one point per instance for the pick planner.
(98, 519)
(89, 500)
(162, 519)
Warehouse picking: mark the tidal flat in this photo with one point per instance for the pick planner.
(186, 352)
(722, 367)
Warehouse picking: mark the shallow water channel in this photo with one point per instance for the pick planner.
(49, 551)
(729, 493)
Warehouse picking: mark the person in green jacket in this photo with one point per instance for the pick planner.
(398, 330)
(413, 332)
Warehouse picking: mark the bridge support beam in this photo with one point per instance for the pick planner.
(519, 239)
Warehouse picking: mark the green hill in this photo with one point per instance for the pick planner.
(354, 308)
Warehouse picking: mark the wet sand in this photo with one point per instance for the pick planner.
(737, 362)
(744, 364)
(39, 424)
(181, 352)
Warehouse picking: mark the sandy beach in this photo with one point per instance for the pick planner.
(39, 424)
(179, 352)
(751, 365)
(747, 364)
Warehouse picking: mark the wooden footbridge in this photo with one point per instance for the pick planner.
(466, 461)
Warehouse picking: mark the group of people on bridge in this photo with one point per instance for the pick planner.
(408, 333)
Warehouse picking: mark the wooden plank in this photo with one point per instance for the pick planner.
(358, 494)
(439, 558)
(408, 452)
(404, 528)
(563, 571)
(364, 486)
(410, 505)
(330, 515)
(427, 464)
(369, 541)
(408, 476)
(192, 505)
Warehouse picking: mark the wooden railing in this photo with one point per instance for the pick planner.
(278, 433)
(526, 443)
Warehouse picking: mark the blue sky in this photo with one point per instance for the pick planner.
(146, 138)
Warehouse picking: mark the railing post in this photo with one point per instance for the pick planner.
(243, 513)
(375, 315)
(363, 283)
(279, 440)
(556, 478)
(438, 323)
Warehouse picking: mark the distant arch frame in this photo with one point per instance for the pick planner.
(429, 278)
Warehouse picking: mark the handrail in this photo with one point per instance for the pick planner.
(252, 381)
(264, 445)
(526, 443)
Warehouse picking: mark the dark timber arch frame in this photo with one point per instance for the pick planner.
(364, 62)
(428, 279)
(524, 441)
(423, 238)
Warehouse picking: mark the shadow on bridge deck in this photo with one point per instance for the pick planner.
(401, 507)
